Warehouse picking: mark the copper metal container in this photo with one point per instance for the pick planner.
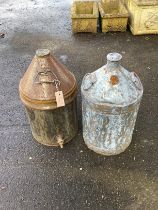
(48, 91)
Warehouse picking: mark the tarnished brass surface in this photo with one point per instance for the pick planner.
(38, 86)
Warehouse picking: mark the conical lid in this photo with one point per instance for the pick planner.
(112, 84)
(44, 77)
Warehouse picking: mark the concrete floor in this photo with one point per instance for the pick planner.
(33, 176)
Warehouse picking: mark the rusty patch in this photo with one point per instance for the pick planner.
(114, 80)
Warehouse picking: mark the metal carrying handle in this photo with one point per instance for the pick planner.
(44, 73)
(56, 82)
(137, 82)
(92, 80)
(84, 78)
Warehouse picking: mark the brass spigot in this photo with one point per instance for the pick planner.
(60, 141)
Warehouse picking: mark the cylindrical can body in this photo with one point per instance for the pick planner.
(111, 97)
(49, 125)
(48, 90)
(105, 132)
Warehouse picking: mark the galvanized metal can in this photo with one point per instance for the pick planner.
(110, 101)
(48, 91)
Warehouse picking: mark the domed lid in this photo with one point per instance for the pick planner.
(112, 84)
(46, 81)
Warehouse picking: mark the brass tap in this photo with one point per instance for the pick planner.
(60, 141)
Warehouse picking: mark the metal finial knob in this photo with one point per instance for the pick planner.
(42, 52)
(114, 57)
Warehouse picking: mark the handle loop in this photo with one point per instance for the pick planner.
(136, 81)
(45, 76)
(91, 79)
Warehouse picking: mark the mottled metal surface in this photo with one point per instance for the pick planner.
(48, 126)
(108, 134)
(110, 105)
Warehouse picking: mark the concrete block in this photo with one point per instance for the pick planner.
(114, 15)
(143, 16)
(84, 15)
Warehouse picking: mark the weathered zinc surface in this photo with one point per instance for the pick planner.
(48, 91)
(114, 16)
(143, 16)
(84, 15)
(110, 101)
